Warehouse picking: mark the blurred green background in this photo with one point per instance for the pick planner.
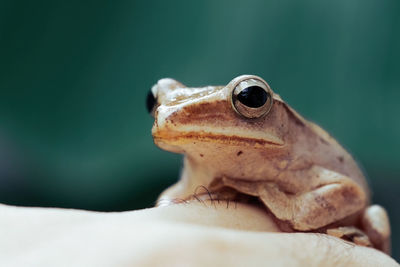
(74, 131)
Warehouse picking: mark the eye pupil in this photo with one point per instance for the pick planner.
(253, 96)
(150, 101)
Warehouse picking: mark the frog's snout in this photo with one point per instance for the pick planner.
(164, 86)
(158, 93)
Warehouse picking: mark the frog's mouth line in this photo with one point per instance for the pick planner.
(189, 137)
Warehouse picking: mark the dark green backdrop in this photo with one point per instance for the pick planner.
(74, 131)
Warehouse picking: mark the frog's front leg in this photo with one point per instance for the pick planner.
(172, 195)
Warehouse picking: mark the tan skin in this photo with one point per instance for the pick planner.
(303, 177)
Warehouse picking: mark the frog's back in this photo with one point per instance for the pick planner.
(323, 150)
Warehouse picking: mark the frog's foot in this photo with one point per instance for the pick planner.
(352, 234)
(375, 230)
(162, 202)
(375, 223)
(171, 195)
(177, 194)
(202, 194)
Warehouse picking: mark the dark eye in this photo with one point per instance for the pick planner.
(252, 98)
(150, 102)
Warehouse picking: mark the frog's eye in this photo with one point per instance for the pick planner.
(252, 98)
(151, 102)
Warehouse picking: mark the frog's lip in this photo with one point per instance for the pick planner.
(181, 138)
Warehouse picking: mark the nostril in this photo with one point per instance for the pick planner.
(150, 102)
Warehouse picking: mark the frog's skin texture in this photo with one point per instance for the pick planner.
(305, 179)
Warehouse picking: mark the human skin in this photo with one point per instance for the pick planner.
(188, 234)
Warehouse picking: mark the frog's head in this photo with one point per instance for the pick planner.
(241, 115)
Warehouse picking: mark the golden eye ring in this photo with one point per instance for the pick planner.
(251, 96)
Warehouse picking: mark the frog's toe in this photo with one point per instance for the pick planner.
(352, 234)
(375, 223)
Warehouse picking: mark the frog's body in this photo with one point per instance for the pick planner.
(299, 172)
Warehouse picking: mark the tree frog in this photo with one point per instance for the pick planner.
(243, 138)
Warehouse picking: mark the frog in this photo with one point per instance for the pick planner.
(243, 139)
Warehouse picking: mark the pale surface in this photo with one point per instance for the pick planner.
(185, 235)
